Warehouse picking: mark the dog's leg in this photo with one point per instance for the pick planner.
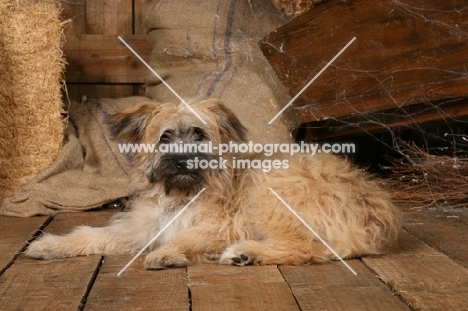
(275, 252)
(82, 240)
(127, 232)
(193, 244)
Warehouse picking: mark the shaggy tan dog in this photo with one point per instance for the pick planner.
(236, 220)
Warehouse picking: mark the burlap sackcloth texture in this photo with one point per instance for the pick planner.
(89, 171)
(209, 48)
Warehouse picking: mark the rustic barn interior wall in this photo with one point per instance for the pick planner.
(99, 66)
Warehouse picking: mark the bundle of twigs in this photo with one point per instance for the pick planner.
(422, 179)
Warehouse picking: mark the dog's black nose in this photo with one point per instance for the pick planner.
(182, 164)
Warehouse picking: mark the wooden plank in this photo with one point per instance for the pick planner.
(139, 13)
(212, 273)
(242, 296)
(105, 17)
(441, 230)
(46, 285)
(107, 62)
(215, 287)
(137, 288)
(139, 89)
(14, 233)
(64, 223)
(406, 52)
(77, 91)
(331, 286)
(374, 122)
(76, 12)
(52, 285)
(423, 277)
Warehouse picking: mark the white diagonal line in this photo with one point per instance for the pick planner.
(313, 231)
(160, 232)
(313, 79)
(161, 79)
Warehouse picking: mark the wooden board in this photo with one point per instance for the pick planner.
(14, 233)
(75, 13)
(442, 230)
(375, 122)
(406, 53)
(109, 17)
(46, 285)
(64, 223)
(104, 59)
(78, 91)
(331, 286)
(211, 273)
(137, 288)
(139, 11)
(52, 285)
(423, 277)
(99, 66)
(215, 287)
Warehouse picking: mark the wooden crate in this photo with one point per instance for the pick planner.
(99, 65)
(406, 66)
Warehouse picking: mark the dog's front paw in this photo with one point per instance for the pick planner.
(233, 256)
(158, 261)
(47, 247)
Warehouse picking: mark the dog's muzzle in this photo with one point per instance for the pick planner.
(180, 172)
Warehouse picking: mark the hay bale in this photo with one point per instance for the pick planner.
(31, 66)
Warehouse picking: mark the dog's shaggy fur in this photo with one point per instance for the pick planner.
(236, 220)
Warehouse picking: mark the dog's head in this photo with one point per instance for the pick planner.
(181, 142)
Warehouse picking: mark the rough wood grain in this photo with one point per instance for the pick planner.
(77, 91)
(242, 296)
(97, 68)
(407, 52)
(14, 232)
(64, 223)
(46, 285)
(423, 277)
(137, 288)
(442, 230)
(331, 286)
(109, 17)
(216, 287)
(52, 285)
(104, 59)
(76, 12)
(139, 17)
(374, 122)
(212, 273)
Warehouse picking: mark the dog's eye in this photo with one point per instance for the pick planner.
(198, 134)
(166, 137)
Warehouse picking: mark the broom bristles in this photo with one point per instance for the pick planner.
(429, 180)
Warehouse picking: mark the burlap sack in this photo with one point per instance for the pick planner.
(209, 48)
(90, 170)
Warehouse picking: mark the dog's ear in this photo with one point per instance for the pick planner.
(129, 124)
(230, 127)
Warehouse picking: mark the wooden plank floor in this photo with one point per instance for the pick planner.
(428, 270)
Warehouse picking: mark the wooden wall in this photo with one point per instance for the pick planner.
(99, 65)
